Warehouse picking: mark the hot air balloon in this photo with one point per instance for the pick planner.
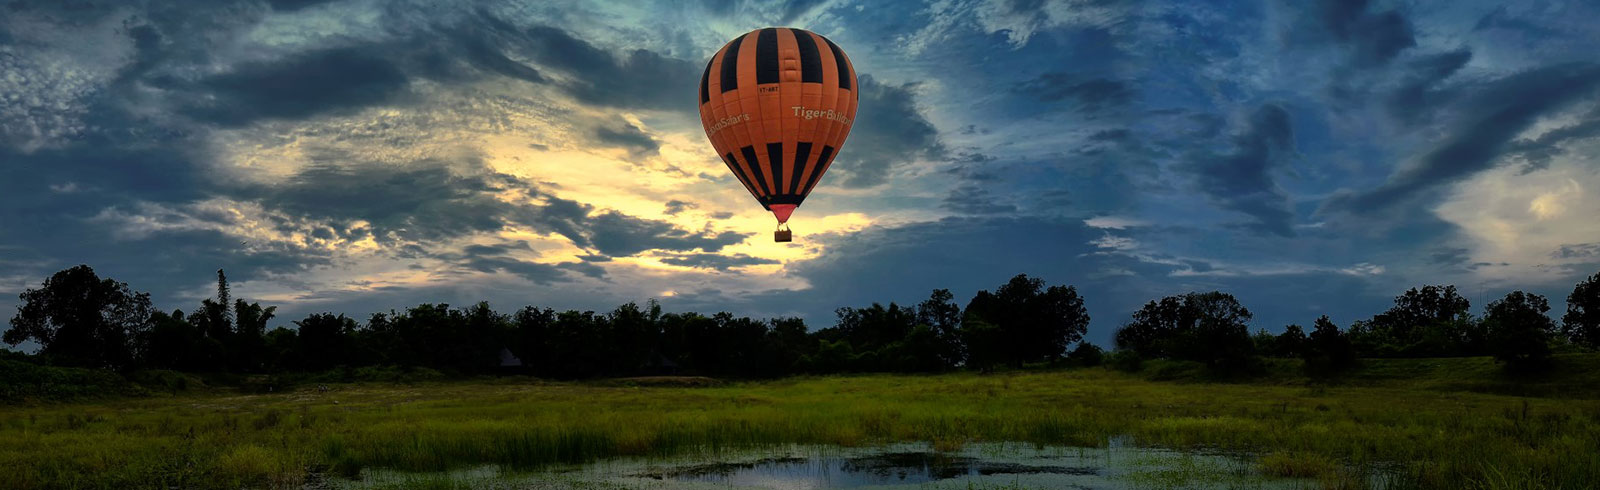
(777, 104)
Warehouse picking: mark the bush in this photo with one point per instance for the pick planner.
(23, 381)
(395, 374)
(1180, 370)
(1125, 361)
(166, 380)
(1087, 355)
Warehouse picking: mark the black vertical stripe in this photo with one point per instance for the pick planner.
(737, 173)
(705, 82)
(767, 56)
(755, 167)
(802, 151)
(844, 67)
(810, 59)
(730, 65)
(822, 162)
(775, 164)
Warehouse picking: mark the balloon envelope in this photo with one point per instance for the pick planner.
(777, 104)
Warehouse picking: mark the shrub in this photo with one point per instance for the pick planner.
(1087, 355)
(21, 381)
(1126, 361)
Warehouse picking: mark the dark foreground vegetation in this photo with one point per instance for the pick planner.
(82, 320)
(121, 395)
(1444, 423)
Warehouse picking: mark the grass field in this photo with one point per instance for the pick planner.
(1440, 423)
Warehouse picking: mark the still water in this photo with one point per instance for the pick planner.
(991, 465)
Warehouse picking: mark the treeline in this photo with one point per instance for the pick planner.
(80, 319)
(1429, 321)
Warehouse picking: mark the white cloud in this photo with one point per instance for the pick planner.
(46, 83)
(1117, 243)
(1524, 219)
(1115, 222)
(1363, 269)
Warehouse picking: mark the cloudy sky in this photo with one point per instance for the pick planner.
(356, 156)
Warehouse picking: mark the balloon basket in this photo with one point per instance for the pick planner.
(782, 234)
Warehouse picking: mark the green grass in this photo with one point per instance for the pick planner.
(1434, 423)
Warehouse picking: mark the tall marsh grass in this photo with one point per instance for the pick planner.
(1345, 436)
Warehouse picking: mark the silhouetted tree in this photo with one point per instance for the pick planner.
(873, 327)
(630, 339)
(247, 350)
(1291, 343)
(941, 313)
(922, 350)
(1038, 323)
(172, 343)
(1264, 343)
(985, 342)
(691, 338)
(1427, 321)
(886, 339)
(282, 350)
(433, 335)
(325, 340)
(1520, 330)
(831, 357)
(1581, 324)
(531, 339)
(788, 343)
(80, 319)
(1207, 327)
(1155, 328)
(1327, 351)
(1221, 331)
(739, 341)
(224, 298)
(483, 332)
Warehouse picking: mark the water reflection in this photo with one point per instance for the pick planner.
(888, 468)
(989, 465)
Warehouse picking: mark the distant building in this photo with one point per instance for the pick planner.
(658, 365)
(509, 362)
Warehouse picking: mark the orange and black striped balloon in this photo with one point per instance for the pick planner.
(777, 104)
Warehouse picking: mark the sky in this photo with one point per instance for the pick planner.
(355, 156)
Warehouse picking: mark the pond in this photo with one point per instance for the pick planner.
(912, 465)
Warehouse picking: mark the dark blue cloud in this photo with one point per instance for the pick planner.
(293, 5)
(1418, 94)
(421, 201)
(889, 131)
(715, 261)
(1375, 37)
(1450, 256)
(1500, 18)
(629, 137)
(1241, 180)
(1536, 153)
(971, 199)
(534, 272)
(620, 235)
(1489, 119)
(1087, 95)
(675, 206)
(599, 77)
(1577, 251)
(320, 82)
